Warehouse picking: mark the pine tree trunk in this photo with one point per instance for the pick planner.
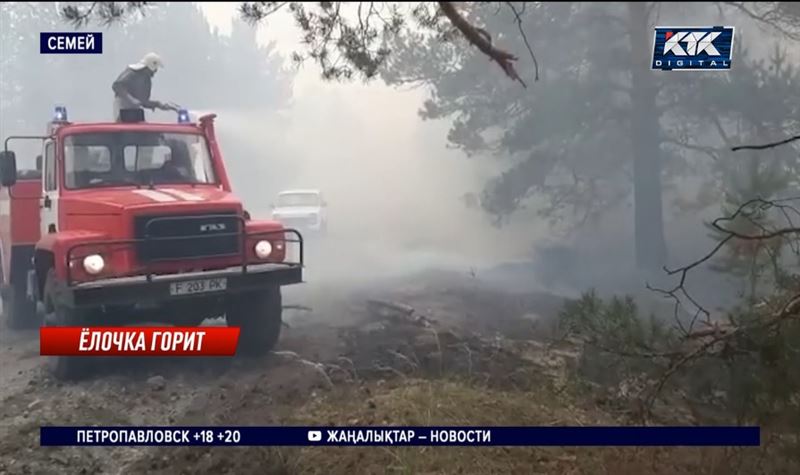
(651, 249)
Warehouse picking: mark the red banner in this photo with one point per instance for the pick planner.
(138, 341)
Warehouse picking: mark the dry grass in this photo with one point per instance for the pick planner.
(425, 402)
(401, 370)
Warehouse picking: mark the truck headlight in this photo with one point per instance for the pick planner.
(263, 249)
(94, 264)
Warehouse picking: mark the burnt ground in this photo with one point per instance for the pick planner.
(429, 350)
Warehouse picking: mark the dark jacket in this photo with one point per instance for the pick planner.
(136, 84)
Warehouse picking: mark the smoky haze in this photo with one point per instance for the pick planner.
(393, 186)
(393, 189)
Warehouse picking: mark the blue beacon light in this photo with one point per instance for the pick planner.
(183, 116)
(60, 114)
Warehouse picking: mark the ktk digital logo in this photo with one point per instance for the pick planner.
(693, 48)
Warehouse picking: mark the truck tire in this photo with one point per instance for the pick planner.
(58, 315)
(19, 311)
(258, 315)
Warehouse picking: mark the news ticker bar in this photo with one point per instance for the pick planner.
(402, 436)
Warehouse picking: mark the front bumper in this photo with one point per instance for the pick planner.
(132, 290)
(155, 288)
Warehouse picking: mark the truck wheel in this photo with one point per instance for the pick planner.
(18, 309)
(259, 317)
(58, 315)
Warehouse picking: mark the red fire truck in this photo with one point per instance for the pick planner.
(135, 222)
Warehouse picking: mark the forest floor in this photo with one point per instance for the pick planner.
(432, 349)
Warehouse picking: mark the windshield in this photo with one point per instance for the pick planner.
(298, 199)
(136, 158)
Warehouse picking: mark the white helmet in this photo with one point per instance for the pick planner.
(151, 61)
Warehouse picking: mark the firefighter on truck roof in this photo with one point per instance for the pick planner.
(133, 86)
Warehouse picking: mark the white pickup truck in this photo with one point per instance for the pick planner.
(304, 210)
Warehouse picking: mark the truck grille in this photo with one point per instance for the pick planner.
(187, 236)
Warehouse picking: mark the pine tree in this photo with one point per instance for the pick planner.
(768, 107)
(750, 260)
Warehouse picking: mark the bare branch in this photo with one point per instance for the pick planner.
(766, 146)
(719, 336)
(503, 58)
(772, 18)
(710, 151)
(743, 211)
(679, 291)
(524, 36)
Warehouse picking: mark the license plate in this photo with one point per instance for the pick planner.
(198, 286)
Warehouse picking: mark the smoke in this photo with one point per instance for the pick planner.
(394, 190)
(393, 187)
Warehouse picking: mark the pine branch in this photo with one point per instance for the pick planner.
(479, 38)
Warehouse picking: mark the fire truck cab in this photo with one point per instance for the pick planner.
(133, 222)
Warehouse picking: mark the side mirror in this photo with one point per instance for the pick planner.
(8, 168)
(39, 163)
